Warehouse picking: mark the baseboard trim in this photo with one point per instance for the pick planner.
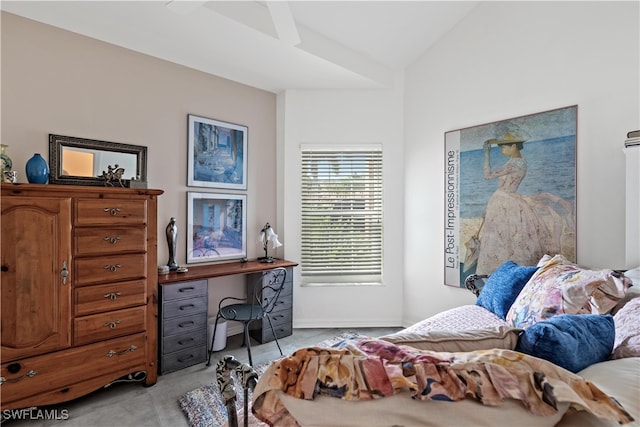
(347, 323)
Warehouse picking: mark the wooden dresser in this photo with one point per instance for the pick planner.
(79, 291)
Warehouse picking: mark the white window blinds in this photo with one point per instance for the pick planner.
(341, 215)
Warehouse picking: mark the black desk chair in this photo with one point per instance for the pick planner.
(254, 307)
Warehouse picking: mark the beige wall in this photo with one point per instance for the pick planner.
(55, 81)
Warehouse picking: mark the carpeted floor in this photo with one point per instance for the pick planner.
(204, 407)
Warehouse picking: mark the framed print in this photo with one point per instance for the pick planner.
(510, 193)
(217, 154)
(216, 228)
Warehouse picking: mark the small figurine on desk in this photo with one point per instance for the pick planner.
(172, 239)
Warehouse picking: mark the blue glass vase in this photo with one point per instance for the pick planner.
(37, 170)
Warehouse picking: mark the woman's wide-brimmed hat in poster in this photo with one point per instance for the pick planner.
(508, 138)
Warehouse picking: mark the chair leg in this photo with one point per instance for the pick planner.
(274, 333)
(248, 342)
(213, 339)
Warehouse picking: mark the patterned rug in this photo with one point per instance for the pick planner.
(203, 406)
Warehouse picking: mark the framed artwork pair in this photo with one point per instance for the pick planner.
(217, 158)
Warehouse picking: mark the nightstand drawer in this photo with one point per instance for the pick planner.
(181, 325)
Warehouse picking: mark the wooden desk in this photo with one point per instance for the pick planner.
(225, 269)
(183, 311)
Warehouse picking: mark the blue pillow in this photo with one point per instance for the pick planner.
(572, 341)
(503, 287)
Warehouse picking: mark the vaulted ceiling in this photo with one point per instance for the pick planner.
(269, 45)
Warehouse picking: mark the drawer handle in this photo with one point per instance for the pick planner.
(112, 325)
(189, 289)
(185, 324)
(112, 267)
(29, 374)
(112, 211)
(187, 341)
(184, 359)
(186, 306)
(112, 353)
(113, 240)
(113, 295)
(64, 272)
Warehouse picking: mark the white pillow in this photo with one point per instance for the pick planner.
(634, 275)
(456, 341)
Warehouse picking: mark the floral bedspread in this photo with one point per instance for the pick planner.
(365, 369)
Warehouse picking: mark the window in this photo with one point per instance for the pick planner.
(341, 238)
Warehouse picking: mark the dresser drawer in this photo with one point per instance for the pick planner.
(182, 359)
(60, 369)
(106, 269)
(184, 307)
(183, 290)
(181, 325)
(283, 304)
(180, 342)
(109, 240)
(265, 335)
(261, 282)
(278, 318)
(110, 211)
(268, 293)
(103, 326)
(113, 296)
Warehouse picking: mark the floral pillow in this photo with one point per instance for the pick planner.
(627, 341)
(562, 287)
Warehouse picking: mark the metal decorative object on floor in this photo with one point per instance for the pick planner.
(248, 379)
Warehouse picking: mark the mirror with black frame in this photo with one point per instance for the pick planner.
(80, 161)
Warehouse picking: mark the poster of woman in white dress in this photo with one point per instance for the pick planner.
(510, 193)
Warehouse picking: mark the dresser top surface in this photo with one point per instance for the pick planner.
(74, 190)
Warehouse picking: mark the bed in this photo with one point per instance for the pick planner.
(554, 344)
